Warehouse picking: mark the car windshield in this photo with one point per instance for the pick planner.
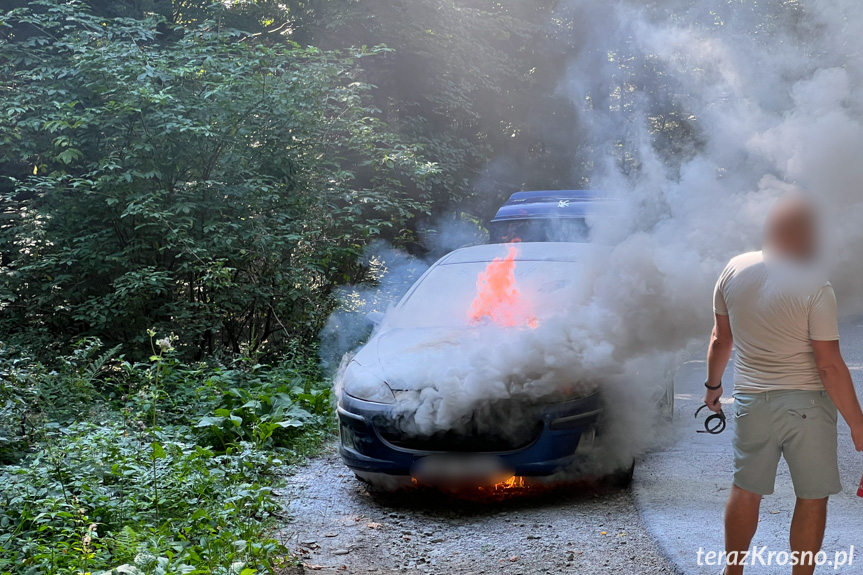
(445, 297)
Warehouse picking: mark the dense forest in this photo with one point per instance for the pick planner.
(185, 184)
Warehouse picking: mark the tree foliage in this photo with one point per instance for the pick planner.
(212, 186)
(477, 82)
(215, 168)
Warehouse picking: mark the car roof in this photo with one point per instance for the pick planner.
(549, 204)
(527, 251)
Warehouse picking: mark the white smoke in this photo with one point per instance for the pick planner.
(390, 273)
(768, 100)
(773, 96)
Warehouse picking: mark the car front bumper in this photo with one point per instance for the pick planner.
(564, 442)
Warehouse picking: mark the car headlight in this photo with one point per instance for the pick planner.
(362, 384)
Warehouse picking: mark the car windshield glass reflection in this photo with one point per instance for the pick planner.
(446, 296)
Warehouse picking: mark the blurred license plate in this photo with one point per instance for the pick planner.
(459, 468)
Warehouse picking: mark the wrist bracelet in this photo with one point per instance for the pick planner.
(713, 388)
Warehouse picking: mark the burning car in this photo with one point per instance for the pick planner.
(447, 388)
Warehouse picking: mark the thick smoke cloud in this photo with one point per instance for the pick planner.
(391, 273)
(773, 97)
(770, 101)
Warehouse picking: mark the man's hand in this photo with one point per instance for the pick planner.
(712, 397)
(857, 436)
(837, 381)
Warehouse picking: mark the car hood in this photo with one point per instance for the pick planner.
(396, 353)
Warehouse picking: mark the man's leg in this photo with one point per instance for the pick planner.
(741, 522)
(810, 448)
(807, 532)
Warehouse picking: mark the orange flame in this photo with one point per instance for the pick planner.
(494, 489)
(497, 295)
(514, 486)
(513, 482)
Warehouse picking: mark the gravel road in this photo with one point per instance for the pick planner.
(338, 526)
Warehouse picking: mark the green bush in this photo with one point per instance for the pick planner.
(157, 467)
(266, 414)
(186, 178)
(31, 394)
(96, 497)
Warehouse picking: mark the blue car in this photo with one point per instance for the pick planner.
(555, 433)
(549, 216)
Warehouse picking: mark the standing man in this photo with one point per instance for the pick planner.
(789, 380)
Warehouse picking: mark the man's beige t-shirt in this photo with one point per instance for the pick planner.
(773, 330)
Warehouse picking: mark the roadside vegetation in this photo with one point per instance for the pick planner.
(152, 467)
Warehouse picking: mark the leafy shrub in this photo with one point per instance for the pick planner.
(96, 497)
(130, 474)
(267, 413)
(31, 394)
(186, 179)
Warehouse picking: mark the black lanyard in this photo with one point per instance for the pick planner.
(715, 424)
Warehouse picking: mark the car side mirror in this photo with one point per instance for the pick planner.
(374, 318)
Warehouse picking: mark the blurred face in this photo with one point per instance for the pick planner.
(792, 229)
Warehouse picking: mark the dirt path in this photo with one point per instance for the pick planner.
(337, 526)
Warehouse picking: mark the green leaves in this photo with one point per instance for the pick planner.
(266, 414)
(81, 497)
(195, 185)
(69, 155)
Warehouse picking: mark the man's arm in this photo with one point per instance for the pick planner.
(718, 354)
(837, 381)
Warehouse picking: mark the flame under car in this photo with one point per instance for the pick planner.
(467, 300)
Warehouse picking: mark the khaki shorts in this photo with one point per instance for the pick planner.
(797, 425)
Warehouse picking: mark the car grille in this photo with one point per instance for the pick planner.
(503, 426)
